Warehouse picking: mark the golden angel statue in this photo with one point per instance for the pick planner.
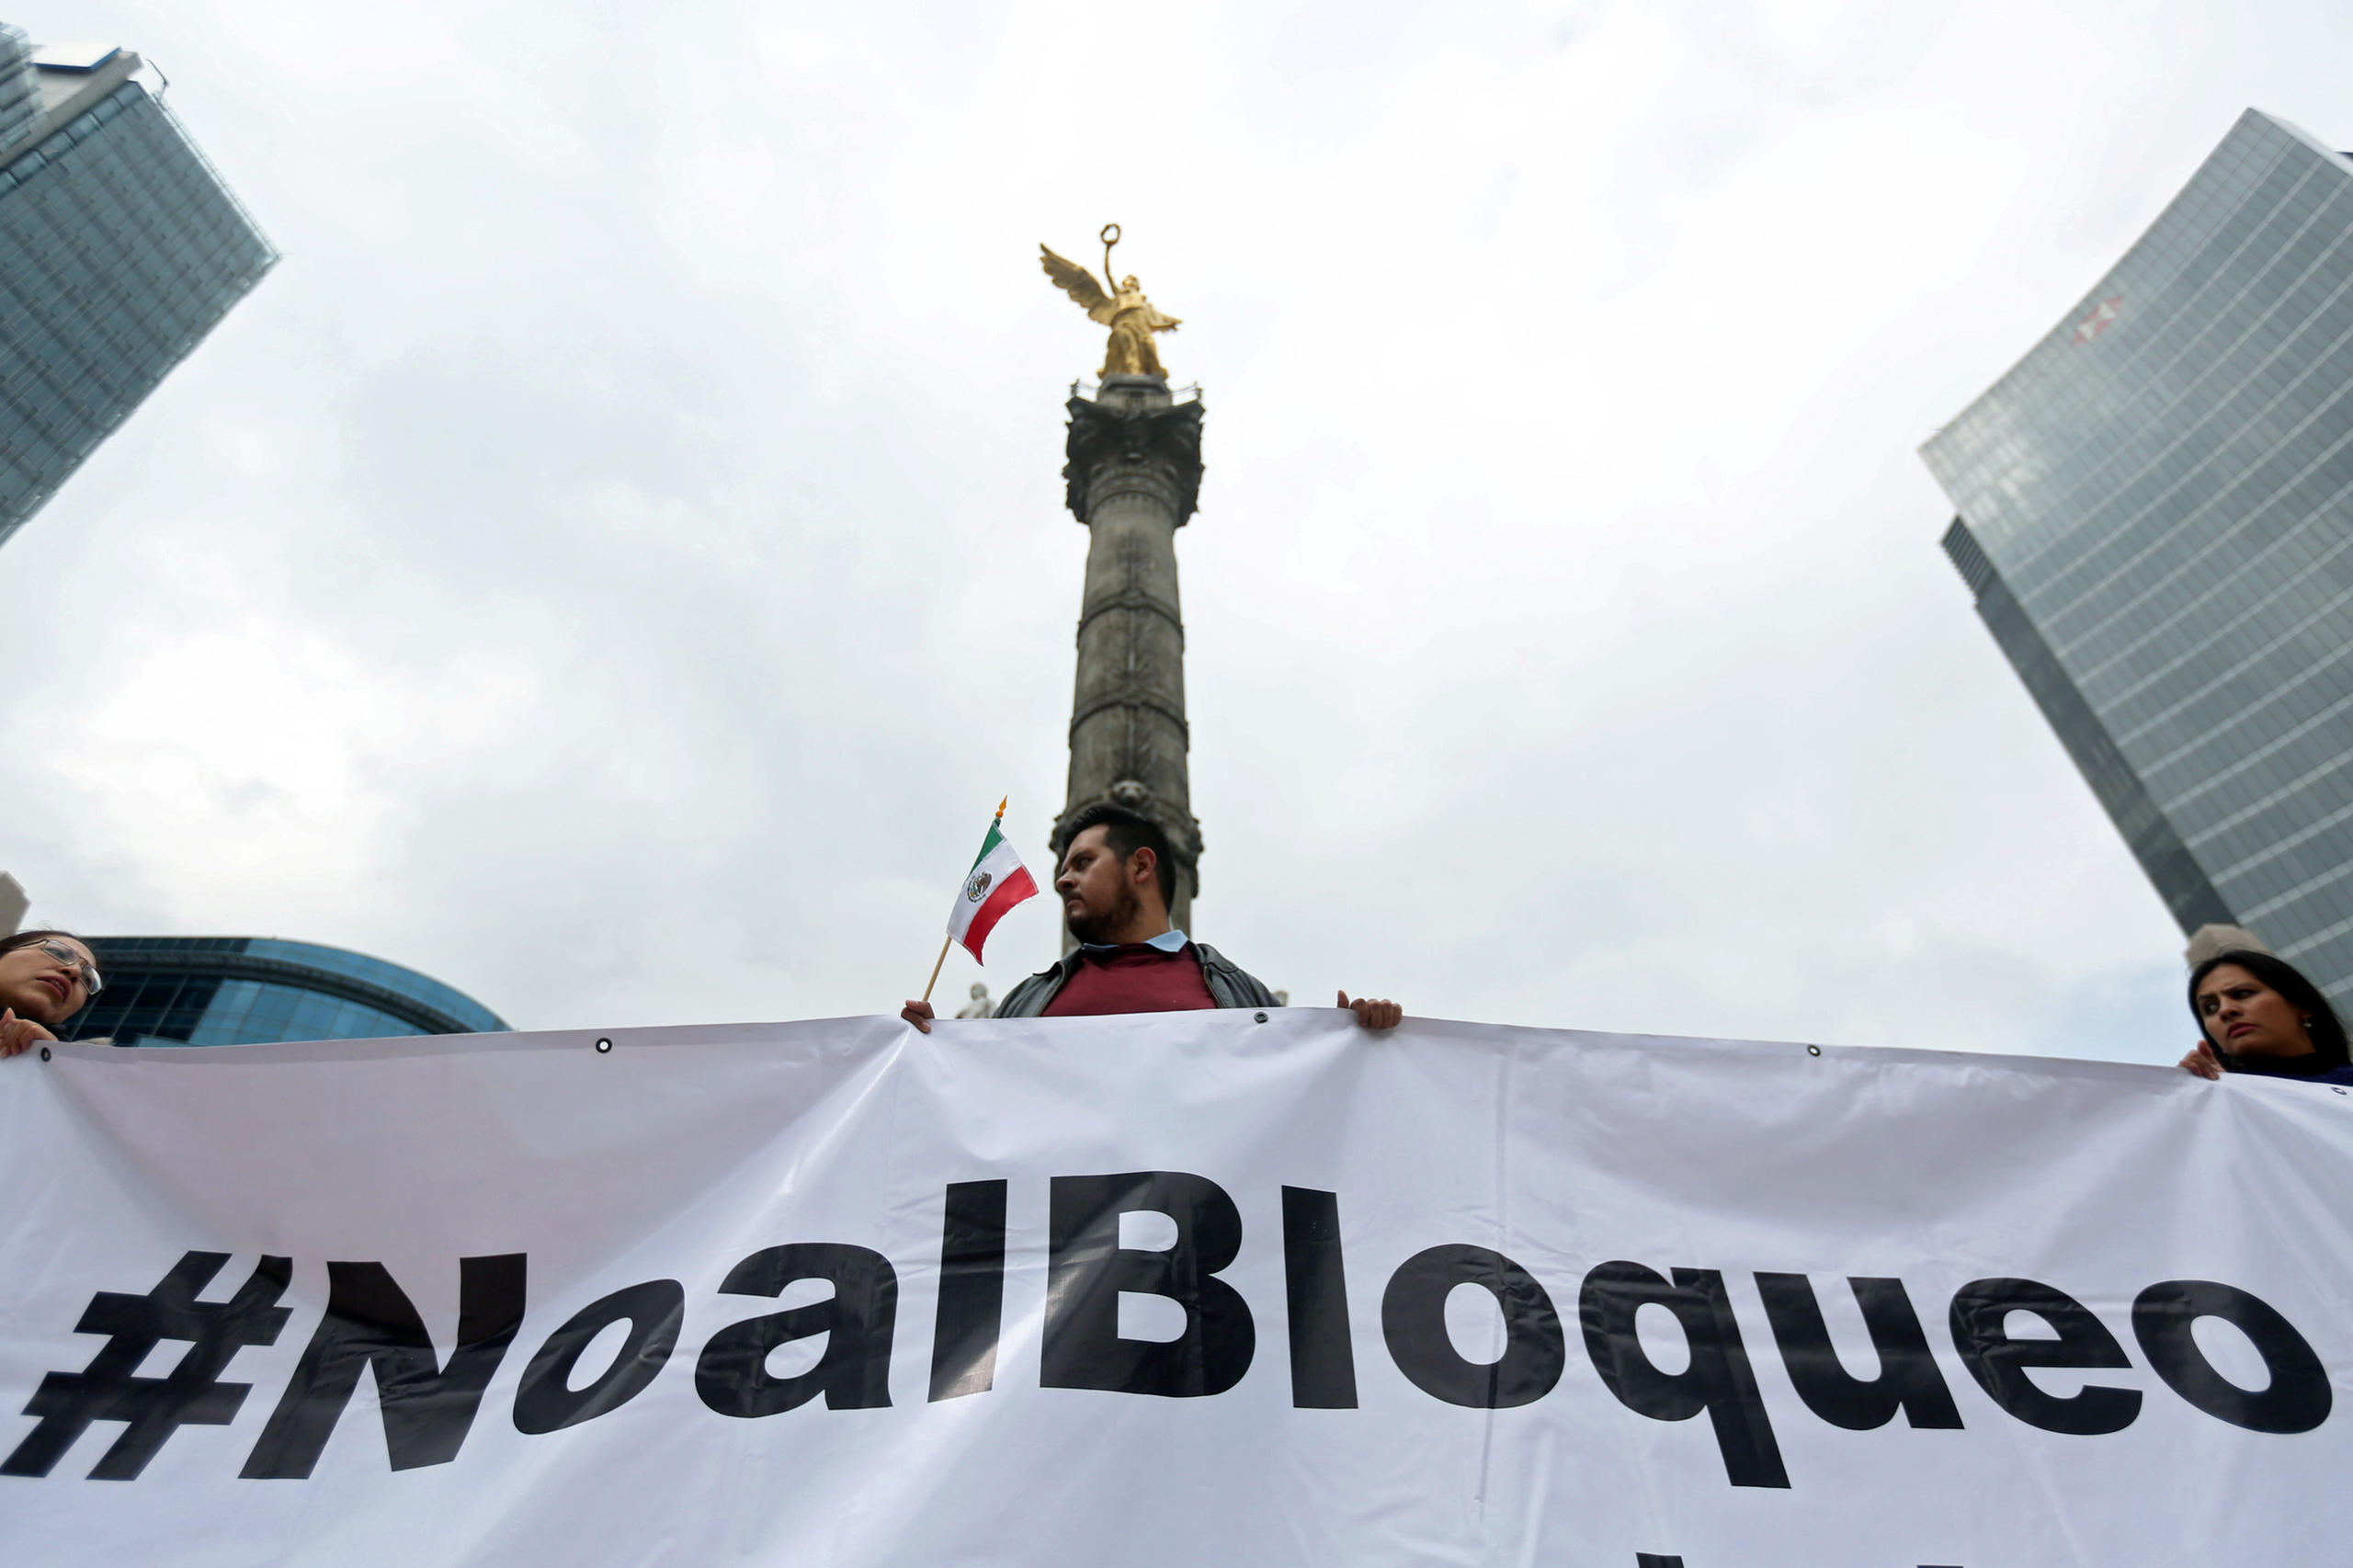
(1128, 314)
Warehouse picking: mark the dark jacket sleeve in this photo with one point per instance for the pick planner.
(1230, 985)
(1029, 999)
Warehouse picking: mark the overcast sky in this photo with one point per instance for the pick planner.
(617, 561)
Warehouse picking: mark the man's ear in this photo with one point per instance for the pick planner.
(1150, 862)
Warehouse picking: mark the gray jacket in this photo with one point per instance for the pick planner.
(1229, 985)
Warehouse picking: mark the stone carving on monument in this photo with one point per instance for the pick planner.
(1135, 477)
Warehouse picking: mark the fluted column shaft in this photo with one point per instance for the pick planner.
(1135, 472)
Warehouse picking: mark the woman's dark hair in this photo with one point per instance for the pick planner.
(28, 938)
(2326, 1028)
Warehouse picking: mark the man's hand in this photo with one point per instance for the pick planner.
(2203, 1062)
(19, 1034)
(1372, 1014)
(920, 1014)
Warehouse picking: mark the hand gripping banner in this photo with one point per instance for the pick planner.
(1164, 1290)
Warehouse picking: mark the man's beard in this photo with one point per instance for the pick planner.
(1093, 928)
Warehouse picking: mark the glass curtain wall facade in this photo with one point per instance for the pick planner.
(2156, 520)
(21, 99)
(119, 249)
(250, 990)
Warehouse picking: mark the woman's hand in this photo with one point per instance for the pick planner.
(2203, 1062)
(18, 1034)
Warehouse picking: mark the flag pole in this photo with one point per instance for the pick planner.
(935, 967)
(944, 941)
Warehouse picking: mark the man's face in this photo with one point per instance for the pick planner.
(1095, 886)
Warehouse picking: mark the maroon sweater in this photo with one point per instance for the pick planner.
(1132, 979)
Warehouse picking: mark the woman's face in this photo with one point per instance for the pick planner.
(42, 986)
(2246, 1018)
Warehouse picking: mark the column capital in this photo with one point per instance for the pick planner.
(1133, 436)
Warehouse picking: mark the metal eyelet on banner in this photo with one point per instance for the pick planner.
(44, 1056)
(1814, 1050)
(1262, 1017)
(603, 1046)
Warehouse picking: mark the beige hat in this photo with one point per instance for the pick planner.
(2207, 941)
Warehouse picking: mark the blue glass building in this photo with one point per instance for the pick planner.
(2156, 520)
(248, 990)
(119, 249)
(20, 99)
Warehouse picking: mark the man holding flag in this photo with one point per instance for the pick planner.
(1116, 881)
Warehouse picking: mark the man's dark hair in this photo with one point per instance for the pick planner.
(1124, 833)
(2327, 1029)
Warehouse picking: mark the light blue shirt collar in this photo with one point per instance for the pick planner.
(1169, 941)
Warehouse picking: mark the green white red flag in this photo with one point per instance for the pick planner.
(998, 881)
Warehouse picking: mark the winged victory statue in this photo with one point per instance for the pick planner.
(1130, 316)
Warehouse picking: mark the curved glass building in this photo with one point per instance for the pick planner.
(249, 990)
(2156, 519)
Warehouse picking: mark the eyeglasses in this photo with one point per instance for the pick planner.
(91, 983)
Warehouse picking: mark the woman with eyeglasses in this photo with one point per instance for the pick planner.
(2259, 1015)
(46, 977)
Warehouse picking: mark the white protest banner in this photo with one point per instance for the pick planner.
(1173, 1289)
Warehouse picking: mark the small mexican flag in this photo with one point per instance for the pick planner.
(998, 883)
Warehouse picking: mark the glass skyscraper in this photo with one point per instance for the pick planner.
(2156, 519)
(249, 990)
(20, 101)
(119, 249)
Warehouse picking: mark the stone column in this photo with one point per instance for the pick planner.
(1134, 475)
